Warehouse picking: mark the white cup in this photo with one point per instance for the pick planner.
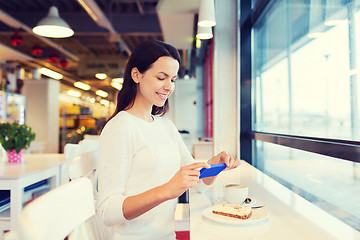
(235, 193)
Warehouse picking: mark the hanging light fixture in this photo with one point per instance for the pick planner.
(50, 73)
(53, 26)
(82, 86)
(73, 93)
(117, 85)
(118, 80)
(204, 33)
(101, 76)
(105, 102)
(101, 93)
(206, 13)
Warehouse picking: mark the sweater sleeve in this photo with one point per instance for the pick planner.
(186, 157)
(114, 164)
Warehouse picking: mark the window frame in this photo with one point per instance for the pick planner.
(343, 149)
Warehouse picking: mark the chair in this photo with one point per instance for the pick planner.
(72, 150)
(90, 136)
(85, 165)
(58, 212)
(90, 144)
(2, 153)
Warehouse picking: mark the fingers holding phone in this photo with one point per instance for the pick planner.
(187, 177)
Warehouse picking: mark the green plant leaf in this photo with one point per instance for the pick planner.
(15, 136)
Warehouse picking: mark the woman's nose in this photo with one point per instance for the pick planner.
(169, 86)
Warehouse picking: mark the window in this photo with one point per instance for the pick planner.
(305, 84)
(305, 91)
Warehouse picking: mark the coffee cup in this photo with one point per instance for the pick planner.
(235, 193)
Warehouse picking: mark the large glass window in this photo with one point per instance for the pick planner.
(305, 71)
(306, 81)
(325, 181)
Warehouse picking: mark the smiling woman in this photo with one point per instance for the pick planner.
(144, 165)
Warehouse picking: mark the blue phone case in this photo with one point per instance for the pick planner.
(214, 170)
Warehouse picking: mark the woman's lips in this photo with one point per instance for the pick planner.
(163, 96)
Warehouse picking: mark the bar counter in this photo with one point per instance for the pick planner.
(288, 216)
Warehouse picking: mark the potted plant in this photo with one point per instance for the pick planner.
(15, 138)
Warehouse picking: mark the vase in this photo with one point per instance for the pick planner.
(14, 157)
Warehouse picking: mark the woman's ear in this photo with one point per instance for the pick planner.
(135, 75)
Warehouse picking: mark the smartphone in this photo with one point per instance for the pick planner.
(214, 170)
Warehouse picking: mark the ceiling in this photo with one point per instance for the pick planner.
(100, 43)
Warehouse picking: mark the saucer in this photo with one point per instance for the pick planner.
(256, 216)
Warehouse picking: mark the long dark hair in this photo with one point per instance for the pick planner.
(142, 57)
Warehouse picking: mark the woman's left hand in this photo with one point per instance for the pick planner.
(224, 157)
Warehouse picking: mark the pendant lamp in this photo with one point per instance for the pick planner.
(206, 13)
(204, 33)
(53, 26)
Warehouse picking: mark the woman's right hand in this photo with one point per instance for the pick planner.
(187, 177)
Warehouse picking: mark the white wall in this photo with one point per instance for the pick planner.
(183, 111)
(226, 118)
(42, 111)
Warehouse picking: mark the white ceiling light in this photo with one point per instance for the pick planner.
(73, 93)
(53, 26)
(118, 80)
(82, 86)
(50, 73)
(204, 33)
(101, 76)
(206, 13)
(116, 85)
(101, 93)
(105, 102)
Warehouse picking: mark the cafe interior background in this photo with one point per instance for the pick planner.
(276, 84)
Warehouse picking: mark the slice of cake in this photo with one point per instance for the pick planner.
(235, 211)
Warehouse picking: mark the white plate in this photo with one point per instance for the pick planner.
(257, 215)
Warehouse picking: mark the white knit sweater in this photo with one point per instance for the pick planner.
(136, 156)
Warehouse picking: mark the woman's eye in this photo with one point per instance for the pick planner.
(161, 78)
(172, 80)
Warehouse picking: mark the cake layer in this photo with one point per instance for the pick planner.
(235, 211)
(233, 215)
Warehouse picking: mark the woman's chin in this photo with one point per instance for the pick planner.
(159, 104)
